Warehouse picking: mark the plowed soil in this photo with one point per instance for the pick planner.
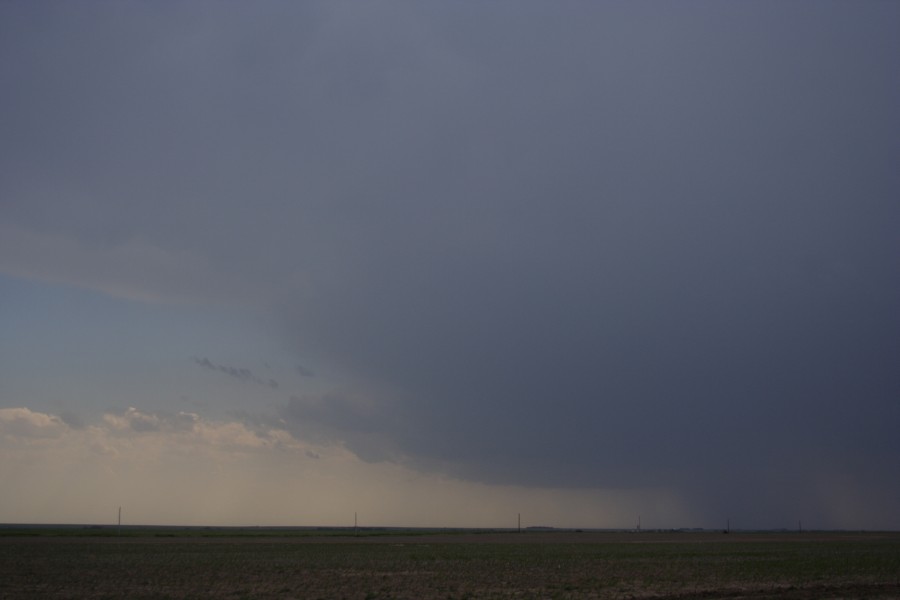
(485, 565)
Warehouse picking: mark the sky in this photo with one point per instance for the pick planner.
(443, 264)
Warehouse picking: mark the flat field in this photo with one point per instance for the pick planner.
(549, 564)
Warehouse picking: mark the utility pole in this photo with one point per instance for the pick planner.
(119, 527)
(520, 523)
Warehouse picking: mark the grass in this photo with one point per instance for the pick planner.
(493, 566)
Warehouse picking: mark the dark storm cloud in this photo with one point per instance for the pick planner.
(550, 244)
(357, 423)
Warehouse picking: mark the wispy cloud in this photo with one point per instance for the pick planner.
(179, 429)
(242, 374)
(22, 422)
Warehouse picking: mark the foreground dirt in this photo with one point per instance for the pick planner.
(505, 565)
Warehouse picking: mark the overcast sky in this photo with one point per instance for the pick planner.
(443, 263)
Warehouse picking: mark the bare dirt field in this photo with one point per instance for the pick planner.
(453, 565)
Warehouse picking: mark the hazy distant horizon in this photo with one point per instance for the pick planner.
(349, 529)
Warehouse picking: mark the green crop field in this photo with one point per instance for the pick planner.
(164, 563)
